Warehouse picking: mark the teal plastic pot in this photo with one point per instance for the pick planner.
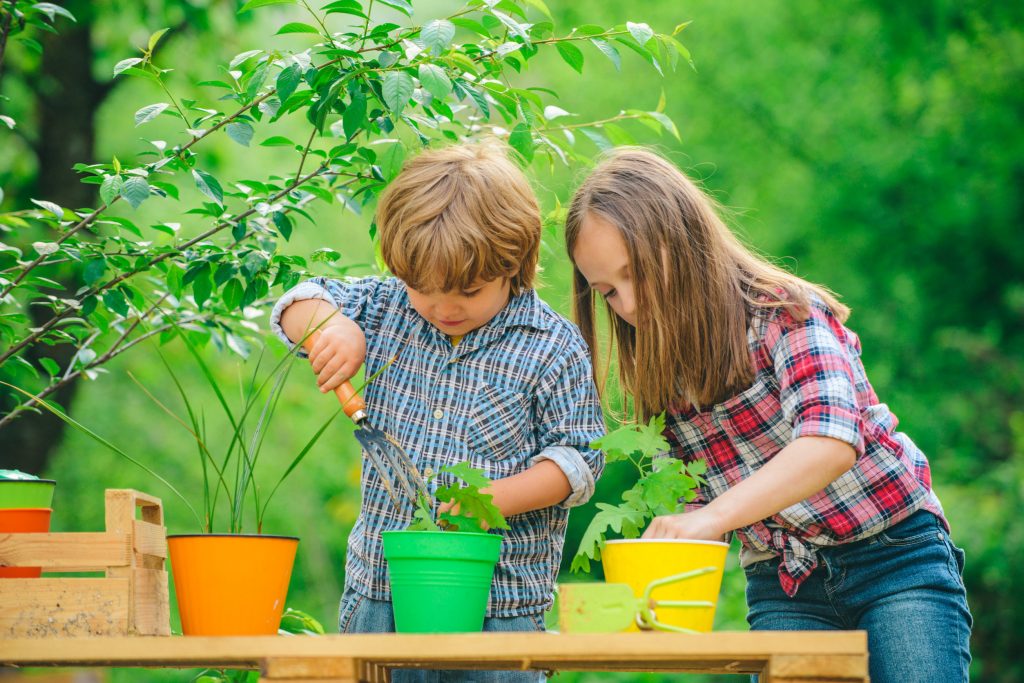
(440, 580)
(26, 493)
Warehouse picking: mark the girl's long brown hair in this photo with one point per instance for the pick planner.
(697, 286)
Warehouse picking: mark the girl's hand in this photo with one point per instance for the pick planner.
(337, 353)
(699, 525)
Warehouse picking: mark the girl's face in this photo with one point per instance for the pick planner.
(601, 256)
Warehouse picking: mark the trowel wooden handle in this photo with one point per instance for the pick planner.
(352, 402)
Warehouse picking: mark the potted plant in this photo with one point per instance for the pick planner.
(663, 487)
(227, 581)
(441, 570)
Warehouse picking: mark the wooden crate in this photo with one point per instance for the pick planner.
(131, 599)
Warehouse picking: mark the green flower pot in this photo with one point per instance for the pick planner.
(440, 580)
(26, 493)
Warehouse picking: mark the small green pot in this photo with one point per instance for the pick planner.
(26, 493)
(440, 580)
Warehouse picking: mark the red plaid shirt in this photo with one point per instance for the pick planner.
(810, 382)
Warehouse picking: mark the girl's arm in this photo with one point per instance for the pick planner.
(798, 471)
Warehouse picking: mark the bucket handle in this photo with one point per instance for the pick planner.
(647, 620)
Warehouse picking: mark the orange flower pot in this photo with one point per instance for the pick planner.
(22, 521)
(231, 584)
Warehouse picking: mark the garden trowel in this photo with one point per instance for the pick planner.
(609, 607)
(385, 454)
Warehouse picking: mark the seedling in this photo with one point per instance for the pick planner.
(665, 485)
(469, 508)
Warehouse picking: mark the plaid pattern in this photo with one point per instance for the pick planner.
(515, 391)
(810, 382)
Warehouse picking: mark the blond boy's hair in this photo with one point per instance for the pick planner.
(459, 215)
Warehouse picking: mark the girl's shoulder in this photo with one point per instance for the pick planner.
(770, 323)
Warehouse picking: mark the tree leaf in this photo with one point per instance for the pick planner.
(208, 185)
(155, 37)
(609, 51)
(403, 6)
(437, 35)
(391, 159)
(8, 121)
(126, 64)
(297, 27)
(94, 270)
(55, 209)
(51, 11)
(202, 285)
(240, 131)
(111, 188)
(50, 365)
(288, 80)
(633, 441)
(354, 117)
(149, 112)
(641, 32)
(397, 88)
(521, 140)
(435, 80)
(232, 294)
(572, 55)
(135, 190)
(277, 141)
(253, 4)
(283, 224)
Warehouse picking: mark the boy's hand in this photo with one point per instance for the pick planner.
(338, 351)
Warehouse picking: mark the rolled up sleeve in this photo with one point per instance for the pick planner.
(568, 420)
(354, 298)
(817, 386)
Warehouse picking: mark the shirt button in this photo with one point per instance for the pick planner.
(428, 472)
(438, 414)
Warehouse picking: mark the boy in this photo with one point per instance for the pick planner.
(486, 372)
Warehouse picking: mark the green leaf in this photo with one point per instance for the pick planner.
(202, 285)
(135, 190)
(435, 80)
(354, 117)
(50, 365)
(253, 4)
(521, 140)
(111, 188)
(572, 55)
(397, 88)
(297, 27)
(55, 209)
(283, 224)
(125, 64)
(155, 37)
(94, 270)
(8, 121)
(437, 35)
(609, 51)
(468, 474)
(149, 112)
(402, 6)
(51, 11)
(641, 32)
(240, 131)
(277, 141)
(344, 7)
(114, 300)
(634, 441)
(209, 186)
(232, 294)
(288, 80)
(391, 159)
(621, 519)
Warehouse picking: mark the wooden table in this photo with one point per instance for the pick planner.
(779, 657)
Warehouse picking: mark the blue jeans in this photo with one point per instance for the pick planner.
(359, 614)
(903, 586)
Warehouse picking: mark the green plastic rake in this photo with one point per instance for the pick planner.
(610, 607)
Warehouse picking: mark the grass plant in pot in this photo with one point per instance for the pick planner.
(663, 487)
(227, 581)
(441, 569)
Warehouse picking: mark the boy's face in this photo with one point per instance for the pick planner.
(456, 313)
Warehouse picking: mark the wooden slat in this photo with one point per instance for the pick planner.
(733, 651)
(310, 667)
(838, 667)
(65, 551)
(151, 612)
(150, 539)
(62, 608)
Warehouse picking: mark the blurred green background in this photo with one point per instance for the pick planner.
(875, 147)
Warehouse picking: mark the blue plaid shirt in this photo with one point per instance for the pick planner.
(511, 393)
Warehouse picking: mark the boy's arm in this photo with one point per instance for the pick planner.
(565, 470)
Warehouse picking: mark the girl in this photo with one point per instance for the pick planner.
(760, 378)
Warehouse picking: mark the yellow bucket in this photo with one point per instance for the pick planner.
(639, 562)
